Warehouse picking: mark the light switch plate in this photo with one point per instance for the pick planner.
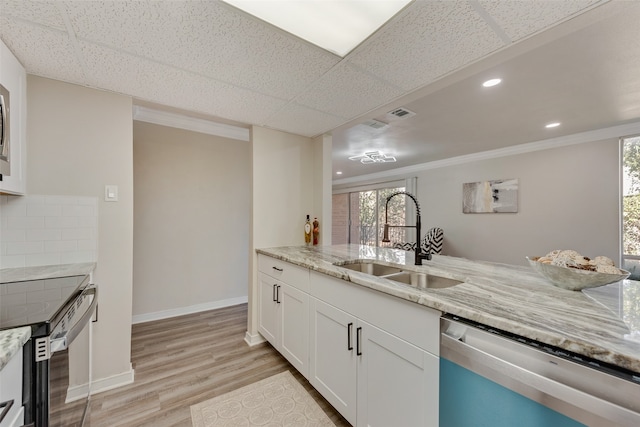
(110, 193)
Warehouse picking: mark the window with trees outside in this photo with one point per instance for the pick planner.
(358, 217)
(631, 205)
(630, 297)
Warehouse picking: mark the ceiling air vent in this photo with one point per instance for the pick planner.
(375, 124)
(401, 113)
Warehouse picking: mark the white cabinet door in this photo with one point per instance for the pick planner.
(268, 308)
(283, 320)
(294, 327)
(11, 390)
(14, 78)
(397, 381)
(333, 367)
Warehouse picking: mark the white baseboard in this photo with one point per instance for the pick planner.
(104, 384)
(76, 392)
(252, 340)
(165, 314)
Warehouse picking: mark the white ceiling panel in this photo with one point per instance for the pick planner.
(298, 119)
(43, 52)
(159, 83)
(429, 40)
(265, 59)
(346, 91)
(45, 13)
(519, 19)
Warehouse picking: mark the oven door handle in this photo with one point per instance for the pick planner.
(63, 342)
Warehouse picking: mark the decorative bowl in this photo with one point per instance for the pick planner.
(575, 279)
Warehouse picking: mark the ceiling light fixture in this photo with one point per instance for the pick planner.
(552, 125)
(373, 157)
(339, 173)
(492, 82)
(336, 26)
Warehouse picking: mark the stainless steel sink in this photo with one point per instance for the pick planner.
(372, 268)
(398, 274)
(422, 280)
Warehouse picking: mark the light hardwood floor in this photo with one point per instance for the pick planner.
(185, 360)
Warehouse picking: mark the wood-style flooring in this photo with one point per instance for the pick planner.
(185, 360)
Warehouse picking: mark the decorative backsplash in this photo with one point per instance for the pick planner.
(47, 230)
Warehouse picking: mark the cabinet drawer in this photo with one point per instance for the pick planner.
(286, 272)
(414, 323)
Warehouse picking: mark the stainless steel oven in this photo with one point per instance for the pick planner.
(57, 358)
(5, 128)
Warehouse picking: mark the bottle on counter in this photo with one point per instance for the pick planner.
(316, 230)
(307, 231)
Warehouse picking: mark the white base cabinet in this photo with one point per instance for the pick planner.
(397, 382)
(371, 377)
(283, 310)
(11, 391)
(374, 357)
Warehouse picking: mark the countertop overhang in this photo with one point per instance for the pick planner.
(507, 297)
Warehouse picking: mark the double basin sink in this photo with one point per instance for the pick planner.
(401, 275)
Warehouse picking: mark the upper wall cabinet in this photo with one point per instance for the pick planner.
(14, 79)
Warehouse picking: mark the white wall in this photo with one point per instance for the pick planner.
(191, 221)
(79, 140)
(568, 199)
(283, 193)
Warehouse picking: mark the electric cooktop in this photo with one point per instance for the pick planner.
(37, 302)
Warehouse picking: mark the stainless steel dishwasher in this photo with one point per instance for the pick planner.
(492, 378)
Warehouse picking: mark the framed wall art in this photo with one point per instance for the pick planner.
(498, 196)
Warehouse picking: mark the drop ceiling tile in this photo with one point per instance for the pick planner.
(208, 38)
(42, 52)
(428, 40)
(119, 72)
(300, 120)
(44, 13)
(348, 92)
(520, 19)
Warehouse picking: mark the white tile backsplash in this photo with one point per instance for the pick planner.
(45, 230)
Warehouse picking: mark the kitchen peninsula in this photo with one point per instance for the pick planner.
(512, 298)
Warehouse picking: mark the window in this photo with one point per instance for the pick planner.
(629, 298)
(358, 216)
(631, 205)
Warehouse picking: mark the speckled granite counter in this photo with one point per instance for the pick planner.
(603, 323)
(12, 340)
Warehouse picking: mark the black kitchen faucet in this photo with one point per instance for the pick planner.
(385, 237)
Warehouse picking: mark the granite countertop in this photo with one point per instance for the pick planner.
(602, 323)
(12, 340)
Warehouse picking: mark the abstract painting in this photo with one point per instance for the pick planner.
(490, 196)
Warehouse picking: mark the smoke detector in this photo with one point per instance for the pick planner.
(400, 113)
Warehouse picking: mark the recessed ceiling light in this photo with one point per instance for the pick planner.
(492, 82)
(552, 125)
(337, 26)
(339, 173)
